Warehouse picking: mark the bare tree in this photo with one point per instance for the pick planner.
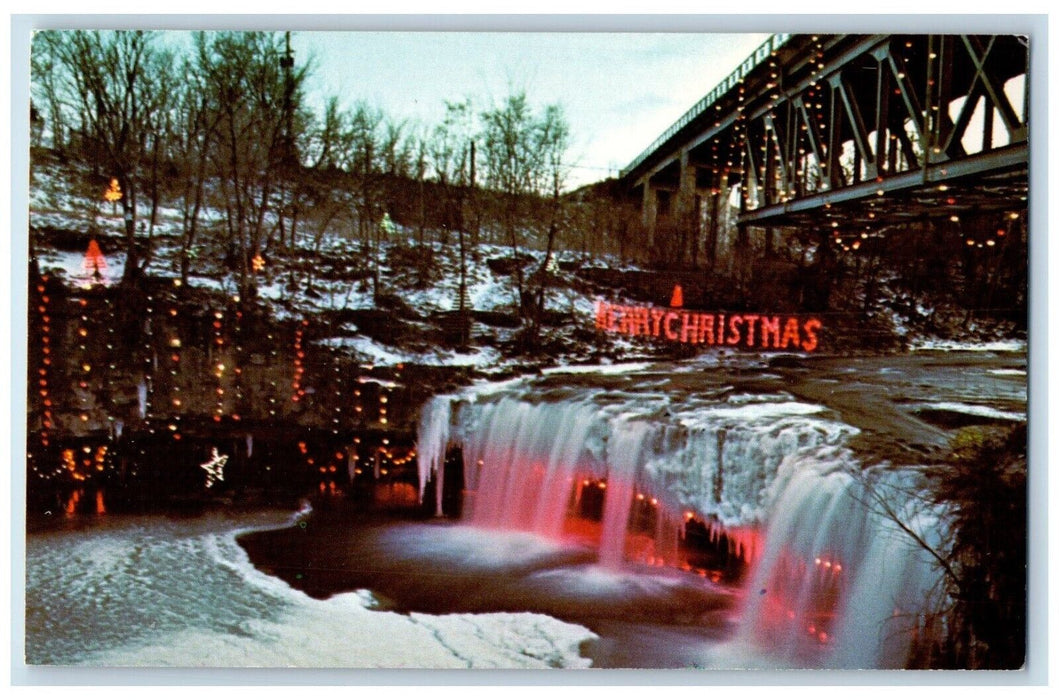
(195, 131)
(362, 154)
(113, 81)
(47, 84)
(256, 93)
(524, 155)
(453, 154)
(324, 138)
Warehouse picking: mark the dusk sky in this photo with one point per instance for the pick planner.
(618, 91)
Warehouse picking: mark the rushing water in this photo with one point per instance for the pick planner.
(835, 581)
(524, 580)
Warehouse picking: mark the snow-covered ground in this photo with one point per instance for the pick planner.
(336, 278)
(291, 292)
(155, 591)
(935, 344)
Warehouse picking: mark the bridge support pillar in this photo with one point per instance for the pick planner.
(687, 210)
(650, 215)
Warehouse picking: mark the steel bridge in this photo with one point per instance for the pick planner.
(849, 135)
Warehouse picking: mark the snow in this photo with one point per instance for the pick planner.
(752, 412)
(71, 267)
(61, 200)
(625, 368)
(934, 344)
(342, 632)
(370, 350)
(975, 410)
(152, 591)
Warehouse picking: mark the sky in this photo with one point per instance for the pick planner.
(618, 91)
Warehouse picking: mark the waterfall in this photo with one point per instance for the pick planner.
(832, 582)
(526, 451)
(521, 466)
(839, 584)
(627, 447)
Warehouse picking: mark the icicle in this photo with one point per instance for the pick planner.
(141, 395)
(432, 444)
(249, 445)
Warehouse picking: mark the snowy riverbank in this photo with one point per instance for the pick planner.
(155, 591)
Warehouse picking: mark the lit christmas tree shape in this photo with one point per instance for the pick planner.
(94, 265)
(677, 301)
(214, 468)
(113, 193)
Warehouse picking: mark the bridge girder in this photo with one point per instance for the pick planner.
(858, 131)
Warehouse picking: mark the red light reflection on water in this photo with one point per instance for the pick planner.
(803, 596)
(72, 501)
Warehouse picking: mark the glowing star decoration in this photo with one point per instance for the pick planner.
(94, 265)
(214, 468)
(113, 193)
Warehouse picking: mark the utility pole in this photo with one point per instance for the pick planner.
(287, 158)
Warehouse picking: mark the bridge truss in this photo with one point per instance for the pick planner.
(850, 134)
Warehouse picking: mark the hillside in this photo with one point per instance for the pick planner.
(317, 324)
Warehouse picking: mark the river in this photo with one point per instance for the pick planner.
(769, 453)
